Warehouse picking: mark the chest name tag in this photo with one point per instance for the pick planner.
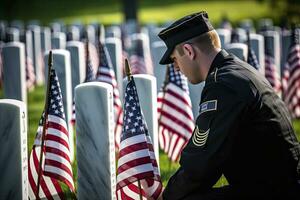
(208, 106)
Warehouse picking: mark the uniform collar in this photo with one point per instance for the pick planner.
(218, 60)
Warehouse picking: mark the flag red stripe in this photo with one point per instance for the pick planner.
(178, 122)
(132, 148)
(133, 163)
(59, 165)
(42, 182)
(58, 127)
(55, 138)
(178, 97)
(165, 101)
(58, 152)
(61, 178)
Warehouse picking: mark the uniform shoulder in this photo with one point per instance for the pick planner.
(233, 77)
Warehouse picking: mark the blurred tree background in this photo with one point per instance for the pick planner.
(157, 11)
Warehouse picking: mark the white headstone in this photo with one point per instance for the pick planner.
(29, 43)
(285, 45)
(58, 40)
(37, 54)
(91, 32)
(45, 39)
(225, 36)
(238, 49)
(195, 94)
(77, 54)
(146, 89)
(74, 32)
(13, 148)
(272, 39)
(114, 47)
(62, 66)
(113, 31)
(13, 35)
(17, 24)
(14, 75)
(158, 50)
(258, 45)
(95, 149)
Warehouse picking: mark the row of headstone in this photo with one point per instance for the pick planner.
(92, 145)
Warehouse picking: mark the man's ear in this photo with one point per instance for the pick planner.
(189, 51)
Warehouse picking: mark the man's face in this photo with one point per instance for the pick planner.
(185, 64)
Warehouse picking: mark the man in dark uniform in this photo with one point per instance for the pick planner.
(243, 130)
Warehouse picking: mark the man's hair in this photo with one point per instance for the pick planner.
(205, 42)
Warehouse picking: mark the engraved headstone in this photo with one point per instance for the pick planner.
(146, 89)
(77, 54)
(95, 149)
(114, 47)
(13, 148)
(62, 66)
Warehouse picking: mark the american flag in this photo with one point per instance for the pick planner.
(175, 116)
(291, 78)
(271, 73)
(49, 187)
(88, 78)
(57, 152)
(140, 61)
(106, 74)
(136, 163)
(30, 76)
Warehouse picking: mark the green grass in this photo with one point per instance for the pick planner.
(150, 10)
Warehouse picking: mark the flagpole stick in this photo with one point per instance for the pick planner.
(128, 70)
(140, 188)
(50, 64)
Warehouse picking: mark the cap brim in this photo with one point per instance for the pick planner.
(166, 57)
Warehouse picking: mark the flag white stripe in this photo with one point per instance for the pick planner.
(180, 129)
(57, 145)
(132, 156)
(57, 120)
(177, 148)
(55, 132)
(135, 170)
(132, 140)
(60, 159)
(178, 115)
(60, 172)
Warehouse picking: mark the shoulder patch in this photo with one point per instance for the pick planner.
(208, 106)
(199, 138)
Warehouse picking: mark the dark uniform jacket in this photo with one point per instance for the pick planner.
(243, 131)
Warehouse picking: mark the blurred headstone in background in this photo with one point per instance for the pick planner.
(114, 47)
(77, 54)
(225, 36)
(45, 39)
(258, 46)
(37, 54)
(238, 49)
(14, 75)
(13, 35)
(58, 40)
